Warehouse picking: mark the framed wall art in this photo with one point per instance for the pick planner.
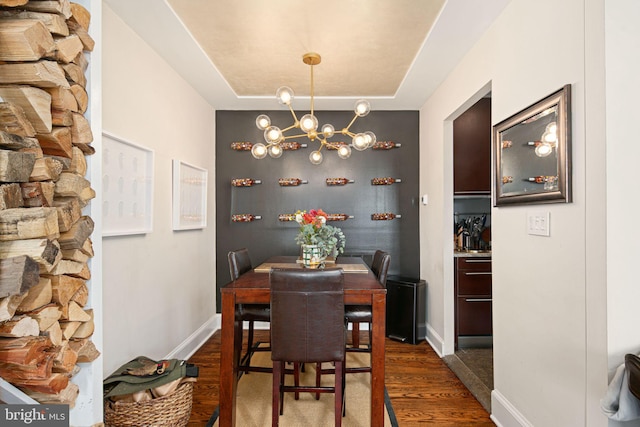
(127, 187)
(533, 153)
(189, 196)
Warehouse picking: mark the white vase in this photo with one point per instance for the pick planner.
(311, 256)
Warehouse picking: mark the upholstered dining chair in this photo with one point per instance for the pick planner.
(307, 326)
(356, 314)
(240, 263)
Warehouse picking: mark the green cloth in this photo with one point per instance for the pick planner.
(123, 381)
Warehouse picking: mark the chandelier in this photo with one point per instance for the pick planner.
(274, 136)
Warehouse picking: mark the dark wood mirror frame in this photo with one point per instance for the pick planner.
(526, 173)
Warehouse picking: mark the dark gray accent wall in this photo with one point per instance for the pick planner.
(268, 236)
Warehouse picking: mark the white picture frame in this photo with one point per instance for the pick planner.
(127, 187)
(189, 196)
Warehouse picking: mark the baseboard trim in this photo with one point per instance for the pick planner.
(194, 341)
(504, 414)
(435, 341)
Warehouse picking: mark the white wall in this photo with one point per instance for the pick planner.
(158, 288)
(622, 154)
(541, 316)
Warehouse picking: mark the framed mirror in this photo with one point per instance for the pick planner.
(533, 153)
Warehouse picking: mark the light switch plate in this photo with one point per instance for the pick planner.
(538, 223)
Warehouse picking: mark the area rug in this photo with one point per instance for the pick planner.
(253, 402)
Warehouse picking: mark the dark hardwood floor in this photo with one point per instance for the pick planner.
(423, 390)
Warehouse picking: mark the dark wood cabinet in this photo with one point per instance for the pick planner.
(473, 296)
(472, 150)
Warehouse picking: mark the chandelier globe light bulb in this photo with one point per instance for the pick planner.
(370, 137)
(259, 151)
(328, 130)
(315, 157)
(344, 151)
(275, 151)
(362, 108)
(308, 123)
(263, 121)
(360, 142)
(273, 135)
(284, 95)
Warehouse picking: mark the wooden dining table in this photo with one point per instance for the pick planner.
(360, 287)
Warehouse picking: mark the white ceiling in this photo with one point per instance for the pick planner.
(236, 53)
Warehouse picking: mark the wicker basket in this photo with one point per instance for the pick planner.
(172, 410)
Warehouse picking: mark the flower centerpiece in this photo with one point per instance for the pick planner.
(318, 239)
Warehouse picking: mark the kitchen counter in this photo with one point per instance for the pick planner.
(458, 254)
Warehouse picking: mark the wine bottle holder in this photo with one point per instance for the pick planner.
(245, 182)
(384, 216)
(292, 145)
(291, 182)
(330, 217)
(384, 181)
(241, 146)
(245, 217)
(338, 181)
(385, 145)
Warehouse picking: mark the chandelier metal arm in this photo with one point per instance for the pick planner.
(347, 132)
(351, 122)
(302, 135)
(296, 122)
(293, 126)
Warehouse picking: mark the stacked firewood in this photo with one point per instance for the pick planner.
(45, 244)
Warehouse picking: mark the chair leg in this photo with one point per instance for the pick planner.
(296, 378)
(318, 377)
(276, 392)
(237, 351)
(282, 375)
(344, 387)
(339, 390)
(249, 344)
(355, 334)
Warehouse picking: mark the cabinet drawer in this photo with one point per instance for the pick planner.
(474, 283)
(474, 316)
(474, 263)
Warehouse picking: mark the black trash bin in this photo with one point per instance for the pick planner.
(406, 309)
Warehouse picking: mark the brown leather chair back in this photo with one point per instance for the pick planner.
(375, 262)
(380, 265)
(384, 269)
(307, 315)
(239, 262)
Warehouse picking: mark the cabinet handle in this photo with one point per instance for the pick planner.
(477, 273)
(476, 260)
(477, 299)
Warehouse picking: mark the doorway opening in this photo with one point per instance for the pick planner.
(472, 360)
